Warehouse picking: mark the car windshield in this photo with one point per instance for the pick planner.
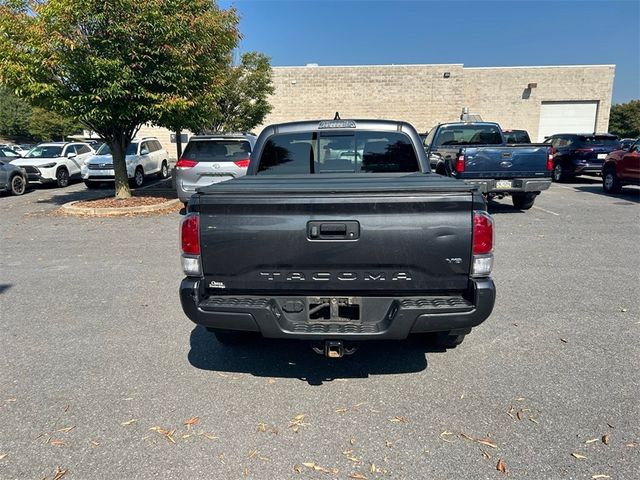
(338, 152)
(217, 150)
(599, 141)
(105, 150)
(45, 151)
(469, 135)
(516, 136)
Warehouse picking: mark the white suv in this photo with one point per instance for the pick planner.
(54, 162)
(145, 156)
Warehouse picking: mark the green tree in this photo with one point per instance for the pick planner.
(46, 126)
(624, 119)
(244, 102)
(15, 115)
(117, 64)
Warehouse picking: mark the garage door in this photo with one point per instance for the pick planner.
(567, 117)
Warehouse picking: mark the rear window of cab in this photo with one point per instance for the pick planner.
(338, 152)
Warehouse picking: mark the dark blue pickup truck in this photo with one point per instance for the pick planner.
(477, 153)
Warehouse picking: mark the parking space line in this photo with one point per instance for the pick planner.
(546, 211)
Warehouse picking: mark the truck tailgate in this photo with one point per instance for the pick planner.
(511, 161)
(373, 233)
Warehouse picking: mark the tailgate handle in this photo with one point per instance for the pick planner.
(349, 230)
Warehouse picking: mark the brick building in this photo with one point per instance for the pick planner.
(541, 100)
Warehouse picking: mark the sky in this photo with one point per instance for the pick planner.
(476, 34)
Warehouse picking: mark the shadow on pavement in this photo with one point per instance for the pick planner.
(627, 195)
(4, 287)
(495, 207)
(294, 359)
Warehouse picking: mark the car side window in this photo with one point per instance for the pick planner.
(69, 149)
(83, 149)
(144, 148)
(157, 145)
(429, 139)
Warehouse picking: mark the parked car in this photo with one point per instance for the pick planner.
(144, 157)
(210, 159)
(55, 162)
(339, 232)
(12, 178)
(477, 153)
(579, 154)
(9, 153)
(621, 167)
(625, 143)
(516, 136)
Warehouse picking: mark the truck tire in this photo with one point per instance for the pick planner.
(523, 201)
(164, 170)
(448, 340)
(138, 178)
(558, 174)
(231, 337)
(62, 177)
(610, 181)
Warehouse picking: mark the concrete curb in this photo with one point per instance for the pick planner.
(71, 209)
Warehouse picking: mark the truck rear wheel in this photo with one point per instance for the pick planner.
(232, 337)
(448, 339)
(523, 201)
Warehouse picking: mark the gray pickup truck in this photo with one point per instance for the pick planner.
(338, 233)
(477, 153)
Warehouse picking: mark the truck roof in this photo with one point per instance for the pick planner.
(468, 123)
(342, 124)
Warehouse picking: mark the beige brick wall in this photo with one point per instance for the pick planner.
(499, 94)
(416, 93)
(422, 96)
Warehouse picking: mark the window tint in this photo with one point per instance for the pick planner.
(70, 149)
(7, 152)
(363, 152)
(156, 146)
(430, 135)
(598, 141)
(217, 150)
(516, 136)
(144, 148)
(469, 135)
(83, 149)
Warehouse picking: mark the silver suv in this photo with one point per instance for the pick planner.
(211, 159)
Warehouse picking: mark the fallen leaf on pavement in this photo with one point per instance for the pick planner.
(65, 430)
(605, 439)
(271, 381)
(519, 399)
(501, 467)
(630, 445)
(3, 455)
(442, 435)
(373, 468)
(352, 441)
(246, 472)
(318, 468)
(60, 472)
(357, 476)
(578, 456)
(210, 437)
(252, 453)
(388, 443)
(600, 475)
(623, 309)
(591, 441)
(262, 427)
(57, 443)
(297, 422)
(129, 422)
(533, 420)
(464, 435)
(519, 414)
(192, 421)
(488, 442)
(399, 419)
(341, 410)
(297, 468)
(563, 340)
(485, 454)
(95, 444)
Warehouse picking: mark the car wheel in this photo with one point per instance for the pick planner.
(62, 177)
(18, 185)
(558, 174)
(232, 337)
(523, 201)
(448, 340)
(138, 178)
(611, 182)
(92, 185)
(164, 170)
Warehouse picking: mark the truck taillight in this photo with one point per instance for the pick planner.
(190, 245)
(186, 163)
(460, 164)
(550, 159)
(242, 163)
(482, 244)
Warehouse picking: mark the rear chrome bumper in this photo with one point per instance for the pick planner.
(382, 317)
(518, 185)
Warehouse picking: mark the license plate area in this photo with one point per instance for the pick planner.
(503, 184)
(334, 309)
(602, 156)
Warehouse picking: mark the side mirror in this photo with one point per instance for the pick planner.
(71, 155)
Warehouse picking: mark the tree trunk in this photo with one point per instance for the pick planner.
(119, 145)
(179, 143)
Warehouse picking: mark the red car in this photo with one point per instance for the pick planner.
(621, 167)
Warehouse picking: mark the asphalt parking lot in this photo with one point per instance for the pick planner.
(104, 377)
